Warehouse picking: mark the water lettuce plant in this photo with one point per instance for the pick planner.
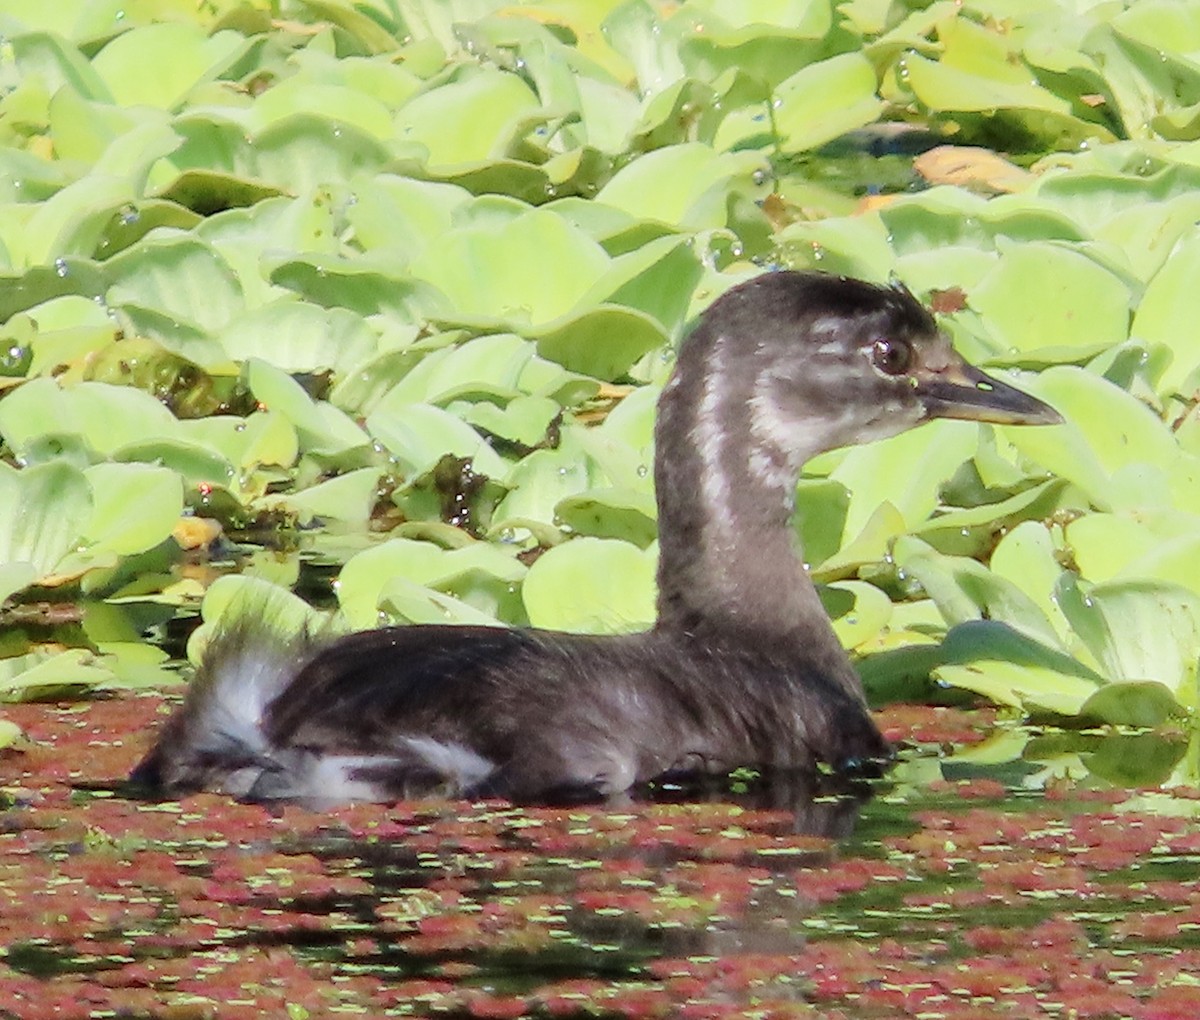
(384, 291)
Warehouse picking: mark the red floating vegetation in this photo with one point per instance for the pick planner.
(965, 903)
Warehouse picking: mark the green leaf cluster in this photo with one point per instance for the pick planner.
(387, 288)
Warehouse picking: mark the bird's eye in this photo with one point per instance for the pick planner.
(891, 356)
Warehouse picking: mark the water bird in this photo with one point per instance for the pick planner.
(742, 667)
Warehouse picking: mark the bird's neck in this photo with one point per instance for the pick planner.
(730, 562)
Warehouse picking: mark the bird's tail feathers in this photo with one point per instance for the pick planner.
(216, 737)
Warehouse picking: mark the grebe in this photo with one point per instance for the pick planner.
(742, 667)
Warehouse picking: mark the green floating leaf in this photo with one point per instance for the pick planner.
(402, 216)
(299, 337)
(592, 585)
(1138, 703)
(826, 100)
(487, 366)
(469, 120)
(179, 276)
(59, 677)
(1011, 668)
(348, 497)
(604, 342)
(402, 601)
(274, 607)
(965, 590)
(1138, 629)
(135, 506)
(58, 64)
(482, 579)
(10, 733)
(1169, 311)
(158, 65)
(43, 511)
(907, 471)
(194, 463)
(531, 269)
(686, 185)
(971, 531)
(365, 30)
(305, 151)
(624, 514)
(418, 436)
(867, 613)
(1042, 295)
(525, 420)
(361, 288)
(539, 482)
(1108, 432)
(319, 425)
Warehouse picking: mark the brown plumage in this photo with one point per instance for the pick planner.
(742, 667)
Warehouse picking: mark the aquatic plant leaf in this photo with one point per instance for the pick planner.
(275, 607)
(592, 585)
(824, 100)
(971, 531)
(159, 64)
(43, 511)
(403, 601)
(1132, 703)
(658, 278)
(305, 151)
(867, 613)
(966, 590)
(300, 337)
(418, 436)
(47, 55)
(338, 104)
(469, 120)
(603, 342)
(179, 276)
(365, 31)
(1029, 688)
(61, 676)
(820, 518)
(362, 288)
(10, 733)
(71, 222)
(1026, 557)
(634, 31)
(134, 506)
(1108, 432)
(475, 575)
(437, 373)
(1013, 668)
(1137, 629)
(263, 438)
(624, 514)
(348, 497)
(531, 269)
(1066, 299)
(403, 216)
(539, 482)
(524, 420)
(319, 425)
(907, 471)
(1169, 310)
(687, 185)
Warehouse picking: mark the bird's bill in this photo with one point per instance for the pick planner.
(963, 391)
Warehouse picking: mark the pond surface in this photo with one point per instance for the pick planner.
(955, 888)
